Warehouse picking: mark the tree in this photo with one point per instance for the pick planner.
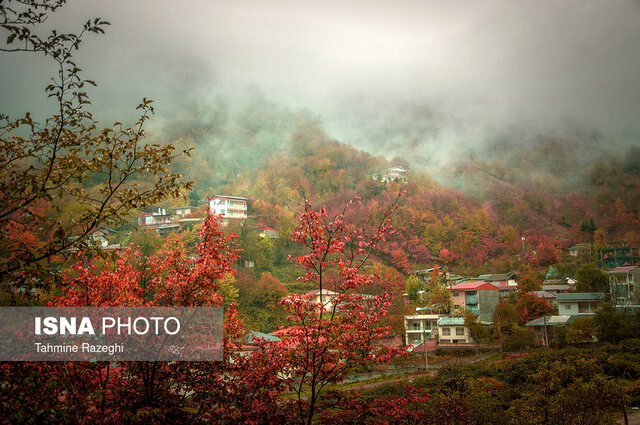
(529, 307)
(67, 158)
(589, 227)
(85, 392)
(613, 326)
(505, 318)
(529, 282)
(581, 329)
(413, 286)
(321, 347)
(438, 295)
(591, 279)
(576, 392)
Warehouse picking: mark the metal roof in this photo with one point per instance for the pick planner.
(473, 286)
(624, 269)
(580, 296)
(550, 321)
(451, 321)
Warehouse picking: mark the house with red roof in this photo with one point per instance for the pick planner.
(480, 298)
(269, 232)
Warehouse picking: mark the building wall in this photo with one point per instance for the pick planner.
(416, 325)
(454, 334)
(578, 307)
(568, 308)
(458, 300)
(487, 302)
(232, 208)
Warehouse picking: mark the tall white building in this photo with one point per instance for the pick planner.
(228, 206)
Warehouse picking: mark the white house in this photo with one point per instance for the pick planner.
(451, 330)
(153, 216)
(578, 303)
(228, 206)
(392, 174)
(419, 327)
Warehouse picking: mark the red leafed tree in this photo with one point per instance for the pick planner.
(329, 338)
(545, 254)
(530, 307)
(400, 260)
(140, 392)
(171, 278)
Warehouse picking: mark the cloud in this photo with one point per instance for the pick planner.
(413, 77)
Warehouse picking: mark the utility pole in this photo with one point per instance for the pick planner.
(424, 344)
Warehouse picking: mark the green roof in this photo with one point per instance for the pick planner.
(253, 337)
(550, 321)
(451, 321)
(580, 296)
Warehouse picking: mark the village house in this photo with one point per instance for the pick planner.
(579, 303)
(393, 174)
(425, 276)
(549, 296)
(183, 211)
(480, 298)
(548, 328)
(580, 249)
(325, 297)
(228, 206)
(269, 232)
(420, 327)
(451, 330)
(556, 289)
(617, 254)
(624, 284)
(505, 282)
(153, 216)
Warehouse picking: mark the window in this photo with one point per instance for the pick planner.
(456, 306)
(446, 331)
(455, 294)
(567, 306)
(459, 331)
(427, 324)
(416, 326)
(417, 340)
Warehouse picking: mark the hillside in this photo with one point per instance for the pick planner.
(475, 219)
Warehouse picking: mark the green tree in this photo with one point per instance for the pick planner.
(68, 157)
(582, 329)
(412, 288)
(614, 326)
(591, 279)
(563, 392)
(589, 227)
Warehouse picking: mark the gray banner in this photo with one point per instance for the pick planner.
(111, 333)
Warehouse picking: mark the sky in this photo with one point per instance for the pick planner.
(419, 78)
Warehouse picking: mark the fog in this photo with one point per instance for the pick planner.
(423, 79)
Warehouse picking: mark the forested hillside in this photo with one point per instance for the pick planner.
(474, 220)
